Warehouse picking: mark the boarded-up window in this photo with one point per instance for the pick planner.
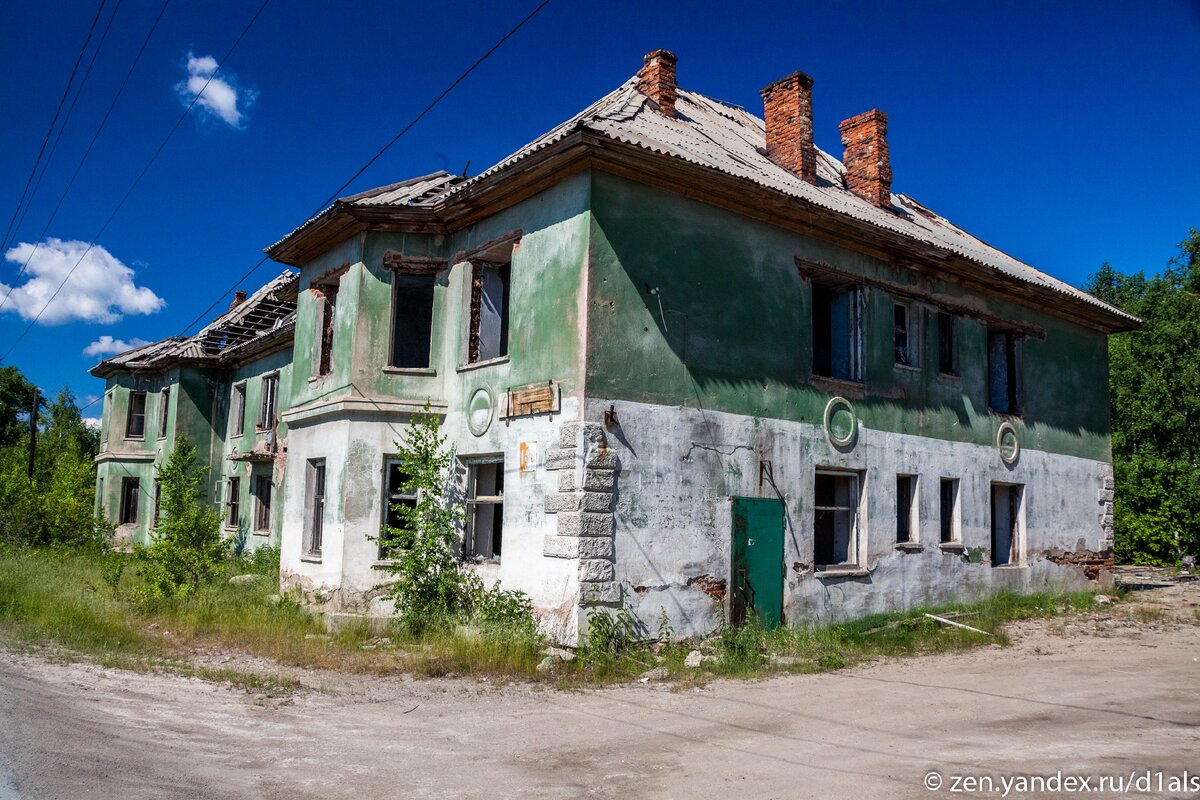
(135, 423)
(836, 331)
(412, 319)
(485, 509)
(1004, 372)
(835, 528)
(489, 311)
(129, 501)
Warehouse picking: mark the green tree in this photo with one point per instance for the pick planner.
(1154, 382)
(188, 549)
(16, 393)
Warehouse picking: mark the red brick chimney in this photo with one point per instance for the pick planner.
(656, 79)
(868, 167)
(787, 111)
(239, 297)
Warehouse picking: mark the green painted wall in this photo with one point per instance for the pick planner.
(734, 332)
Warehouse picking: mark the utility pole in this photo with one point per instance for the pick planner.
(33, 418)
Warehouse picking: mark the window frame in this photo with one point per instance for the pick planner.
(908, 519)
(473, 502)
(233, 502)
(130, 416)
(478, 269)
(411, 275)
(390, 498)
(951, 523)
(857, 533)
(1013, 389)
(268, 402)
(908, 355)
(262, 509)
(1016, 502)
(164, 409)
(237, 409)
(855, 372)
(315, 488)
(948, 363)
(128, 511)
(157, 504)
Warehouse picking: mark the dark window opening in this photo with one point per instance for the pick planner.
(396, 534)
(135, 423)
(329, 293)
(130, 495)
(835, 522)
(157, 504)
(949, 508)
(905, 496)
(412, 320)
(1004, 372)
(233, 502)
(947, 344)
(485, 509)
(1006, 516)
(836, 324)
(268, 403)
(489, 311)
(903, 338)
(164, 406)
(262, 503)
(237, 410)
(315, 522)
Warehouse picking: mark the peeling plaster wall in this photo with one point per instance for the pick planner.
(680, 466)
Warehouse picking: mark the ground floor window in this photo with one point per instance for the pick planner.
(906, 523)
(262, 504)
(233, 502)
(395, 534)
(1006, 523)
(314, 506)
(129, 501)
(835, 525)
(948, 521)
(485, 508)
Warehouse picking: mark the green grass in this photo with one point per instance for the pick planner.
(61, 603)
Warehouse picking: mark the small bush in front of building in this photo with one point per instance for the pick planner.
(188, 549)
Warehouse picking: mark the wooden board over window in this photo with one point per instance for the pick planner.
(534, 398)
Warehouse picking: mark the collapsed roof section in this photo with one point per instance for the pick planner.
(259, 324)
(626, 133)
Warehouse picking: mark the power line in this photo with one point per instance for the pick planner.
(70, 183)
(375, 157)
(137, 180)
(53, 122)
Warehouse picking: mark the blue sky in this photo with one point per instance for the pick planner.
(1063, 133)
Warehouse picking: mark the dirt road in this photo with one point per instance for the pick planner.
(1090, 697)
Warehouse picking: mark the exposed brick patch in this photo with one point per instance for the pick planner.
(1092, 563)
(656, 80)
(713, 587)
(787, 112)
(868, 164)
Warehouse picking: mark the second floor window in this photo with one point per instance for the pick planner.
(837, 331)
(489, 311)
(947, 344)
(135, 423)
(326, 318)
(412, 320)
(904, 335)
(267, 407)
(1004, 372)
(237, 410)
(164, 408)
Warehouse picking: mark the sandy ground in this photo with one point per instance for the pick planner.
(1104, 693)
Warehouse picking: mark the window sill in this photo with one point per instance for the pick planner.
(910, 547)
(311, 558)
(951, 547)
(915, 368)
(856, 389)
(1005, 414)
(842, 571)
(1011, 566)
(135, 438)
(478, 364)
(425, 371)
(261, 533)
(950, 376)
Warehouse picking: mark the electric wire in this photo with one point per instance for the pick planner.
(53, 122)
(136, 181)
(332, 197)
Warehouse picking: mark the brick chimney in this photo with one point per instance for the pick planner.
(656, 79)
(239, 297)
(868, 167)
(787, 111)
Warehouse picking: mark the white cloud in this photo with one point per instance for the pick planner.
(92, 422)
(100, 290)
(216, 95)
(108, 346)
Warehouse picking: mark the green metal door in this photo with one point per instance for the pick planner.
(757, 560)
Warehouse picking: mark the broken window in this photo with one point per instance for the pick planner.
(489, 311)
(904, 334)
(327, 313)
(836, 331)
(129, 501)
(947, 344)
(1004, 372)
(1006, 523)
(233, 502)
(485, 508)
(237, 410)
(835, 528)
(135, 423)
(315, 506)
(268, 402)
(395, 534)
(412, 319)
(948, 522)
(906, 490)
(262, 503)
(164, 406)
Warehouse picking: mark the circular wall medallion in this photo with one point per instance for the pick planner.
(841, 423)
(1008, 443)
(480, 411)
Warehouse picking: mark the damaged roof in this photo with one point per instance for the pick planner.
(726, 138)
(257, 324)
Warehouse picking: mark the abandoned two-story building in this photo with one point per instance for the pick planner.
(688, 364)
